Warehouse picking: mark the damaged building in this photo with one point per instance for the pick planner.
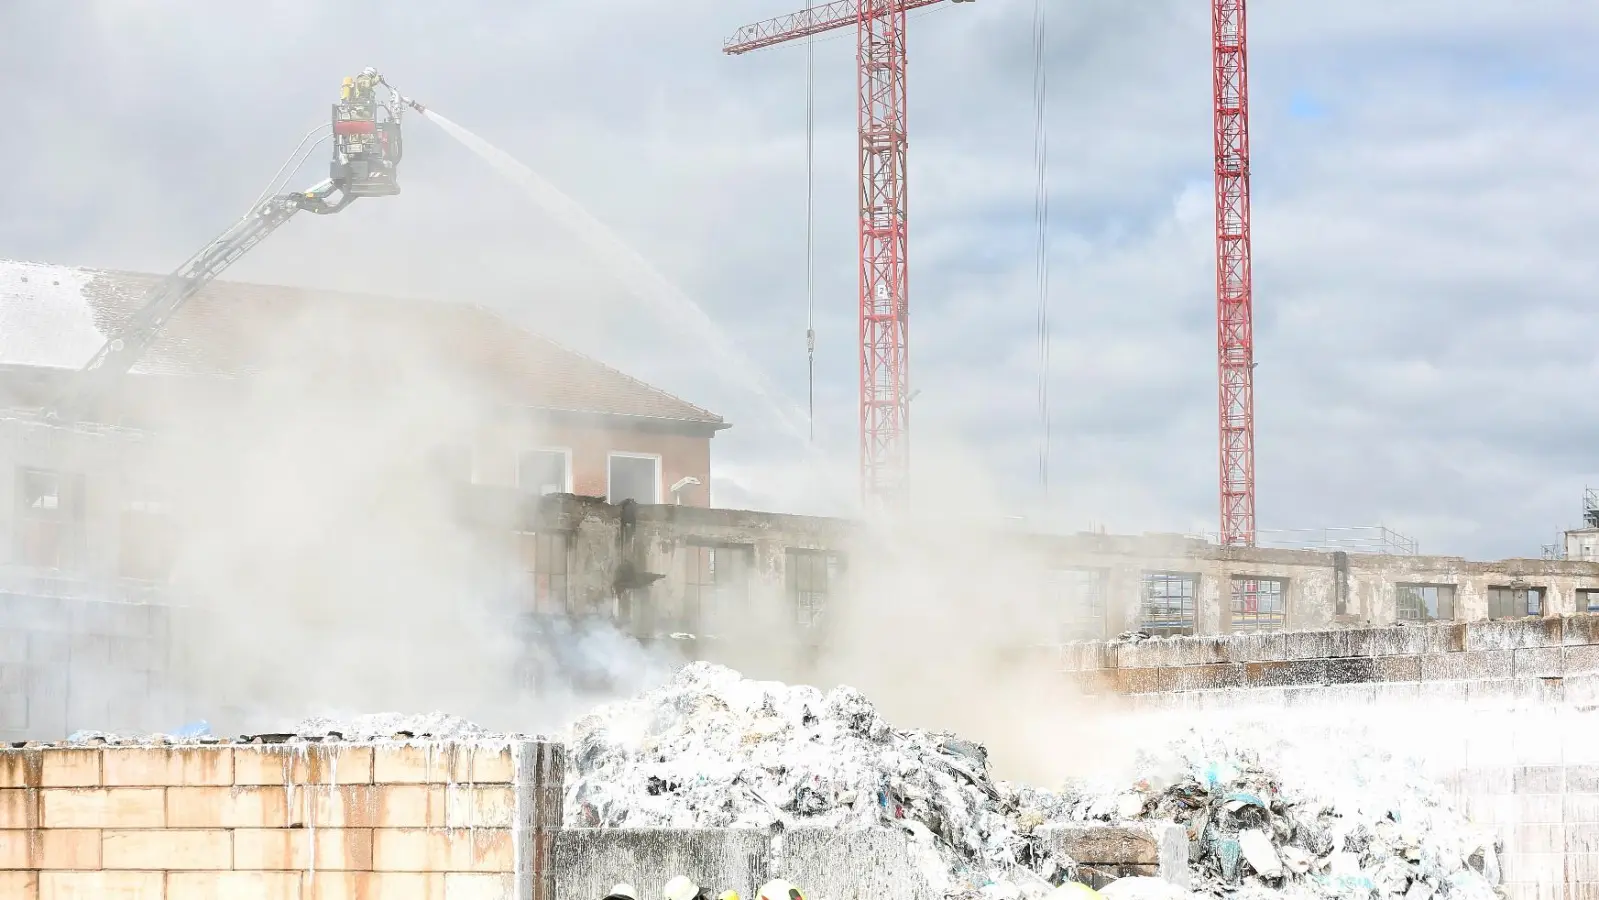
(571, 493)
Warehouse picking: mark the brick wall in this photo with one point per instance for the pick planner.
(434, 821)
(590, 446)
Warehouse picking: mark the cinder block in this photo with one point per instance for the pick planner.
(19, 808)
(102, 808)
(1582, 838)
(102, 885)
(228, 807)
(16, 849)
(480, 807)
(68, 849)
(69, 768)
(437, 806)
(1582, 779)
(307, 849)
(161, 766)
(442, 850)
(1582, 809)
(1535, 839)
(22, 885)
(303, 764)
(484, 764)
(369, 885)
(1542, 779)
(339, 806)
(235, 886)
(168, 849)
(1582, 866)
(1198, 678)
(1537, 809)
(1396, 668)
(1544, 662)
(477, 885)
(429, 763)
(20, 768)
(1581, 660)
(1579, 629)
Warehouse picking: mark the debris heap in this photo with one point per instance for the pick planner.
(713, 749)
(1317, 814)
(1267, 815)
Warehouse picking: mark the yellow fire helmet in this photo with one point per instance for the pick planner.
(778, 889)
(1073, 890)
(727, 895)
(680, 888)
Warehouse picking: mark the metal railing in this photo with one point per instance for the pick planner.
(1350, 539)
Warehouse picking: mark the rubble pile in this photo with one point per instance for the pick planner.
(1266, 814)
(713, 749)
(1317, 814)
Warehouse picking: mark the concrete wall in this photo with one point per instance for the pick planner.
(1549, 660)
(433, 820)
(1504, 714)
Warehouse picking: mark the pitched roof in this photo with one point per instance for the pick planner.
(57, 317)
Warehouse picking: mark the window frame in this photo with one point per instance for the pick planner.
(545, 602)
(1191, 605)
(610, 488)
(1059, 586)
(68, 518)
(566, 453)
(1532, 590)
(832, 567)
(1259, 621)
(1454, 604)
(704, 588)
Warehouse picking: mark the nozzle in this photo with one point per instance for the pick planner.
(414, 105)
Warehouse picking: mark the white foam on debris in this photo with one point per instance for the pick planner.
(378, 726)
(45, 319)
(713, 749)
(1269, 815)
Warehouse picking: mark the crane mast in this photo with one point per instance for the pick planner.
(883, 227)
(1235, 336)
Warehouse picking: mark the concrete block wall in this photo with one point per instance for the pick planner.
(1547, 660)
(434, 821)
(1504, 714)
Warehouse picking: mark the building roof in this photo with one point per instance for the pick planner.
(57, 317)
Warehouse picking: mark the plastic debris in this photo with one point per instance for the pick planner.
(1305, 816)
(1266, 815)
(1259, 852)
(711, 748)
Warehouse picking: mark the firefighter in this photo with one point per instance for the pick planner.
(778, 889)
(622, 892)
(683, 888)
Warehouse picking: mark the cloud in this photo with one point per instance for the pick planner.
(1423, 258)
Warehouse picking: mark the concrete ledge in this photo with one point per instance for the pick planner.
(587, 861)
(1117, 851)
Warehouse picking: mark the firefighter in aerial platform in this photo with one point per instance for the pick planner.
(365, 148)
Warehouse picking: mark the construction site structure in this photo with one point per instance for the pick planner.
(365, 130)
(884, 230)
(1235, 336)
(884, 222)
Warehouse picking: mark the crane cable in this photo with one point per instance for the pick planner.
(1041, 222)
(810, 231)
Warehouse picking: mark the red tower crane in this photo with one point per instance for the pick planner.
(1235, 337)
(884, 409)
(884, 220)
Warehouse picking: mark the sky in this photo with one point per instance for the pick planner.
(1423, 202)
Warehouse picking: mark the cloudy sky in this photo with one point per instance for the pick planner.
(1424, 202)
